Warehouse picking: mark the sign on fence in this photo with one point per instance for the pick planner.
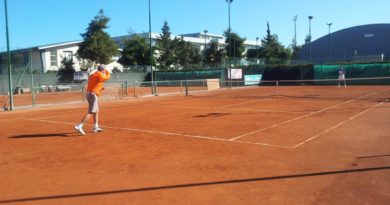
(252, 79)
(234, 73)
(80, 76)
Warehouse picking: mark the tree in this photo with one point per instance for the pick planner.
(164, 45)
(273, 51)
(185, 53)
(237, 48)
(307, 39)
(97, 46)
(194, 54)
(295, 49)
(135, 52)
(214, 54)
(66, 72)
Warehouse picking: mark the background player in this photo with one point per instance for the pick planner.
(342, 76)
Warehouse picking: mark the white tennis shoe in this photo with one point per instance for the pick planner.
(80, 129)
(98, 129)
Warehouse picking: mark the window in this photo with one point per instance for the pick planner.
(53, 58)
(68, 55)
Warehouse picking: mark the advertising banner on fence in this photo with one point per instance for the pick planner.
(80, 76)
(252, 79)
(235, 73)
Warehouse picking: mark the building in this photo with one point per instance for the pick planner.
(365, 43)
(48, 57)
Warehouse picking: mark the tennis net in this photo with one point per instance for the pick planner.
(59, 93)
(320, 88)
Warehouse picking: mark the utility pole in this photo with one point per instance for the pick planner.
(230, 45)
(11, 98)
(295, 30)
(205, 48)
(151, 52)
(329, 24)
(310, 18)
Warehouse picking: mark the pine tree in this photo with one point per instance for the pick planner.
(135, 52)
(272, 50)
(165, 46)
(214, 55)
(237, 47)
(97, 46)
(185, 53)
(66, 71)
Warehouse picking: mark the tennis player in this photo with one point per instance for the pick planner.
(95, 85)
(342, 76)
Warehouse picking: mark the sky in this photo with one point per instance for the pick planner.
(41, 22)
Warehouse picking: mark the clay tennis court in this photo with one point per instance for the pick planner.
(302, 145)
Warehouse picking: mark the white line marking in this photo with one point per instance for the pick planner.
(234, 140)
(225, 108)
(243, 103)
(337, 125)
(303, 116)
(170, 133)
(287, 121)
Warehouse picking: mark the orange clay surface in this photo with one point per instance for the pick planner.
(294, 145)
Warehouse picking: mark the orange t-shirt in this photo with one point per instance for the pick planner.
(95, 81)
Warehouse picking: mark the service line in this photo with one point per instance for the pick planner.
(168, 133)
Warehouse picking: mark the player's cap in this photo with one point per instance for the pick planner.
(100, 68)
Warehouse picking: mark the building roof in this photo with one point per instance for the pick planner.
(197, 38)
(58, 44)
(349, 44)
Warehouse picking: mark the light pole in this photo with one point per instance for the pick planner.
(257, 40)
(205, 46)
(230, 43)
(151, 52)
(295, 30)
(329, 24)
(310, 18)
(11, 98)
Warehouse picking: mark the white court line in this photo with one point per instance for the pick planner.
(338, 125)
(245, 103)
(224, 108)
(303, 116)
(75, 110)
(227, 140)
(168, 133)
(287, 121)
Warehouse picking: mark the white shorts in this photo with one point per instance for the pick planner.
(92, 103)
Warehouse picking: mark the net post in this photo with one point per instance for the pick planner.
(186, 84)
(181, 86)
(155, 88)
(122, 89)
(135, 88)
(127, 88)
(140, 89)
(277, 86)
(32, 80)
(83, 91)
